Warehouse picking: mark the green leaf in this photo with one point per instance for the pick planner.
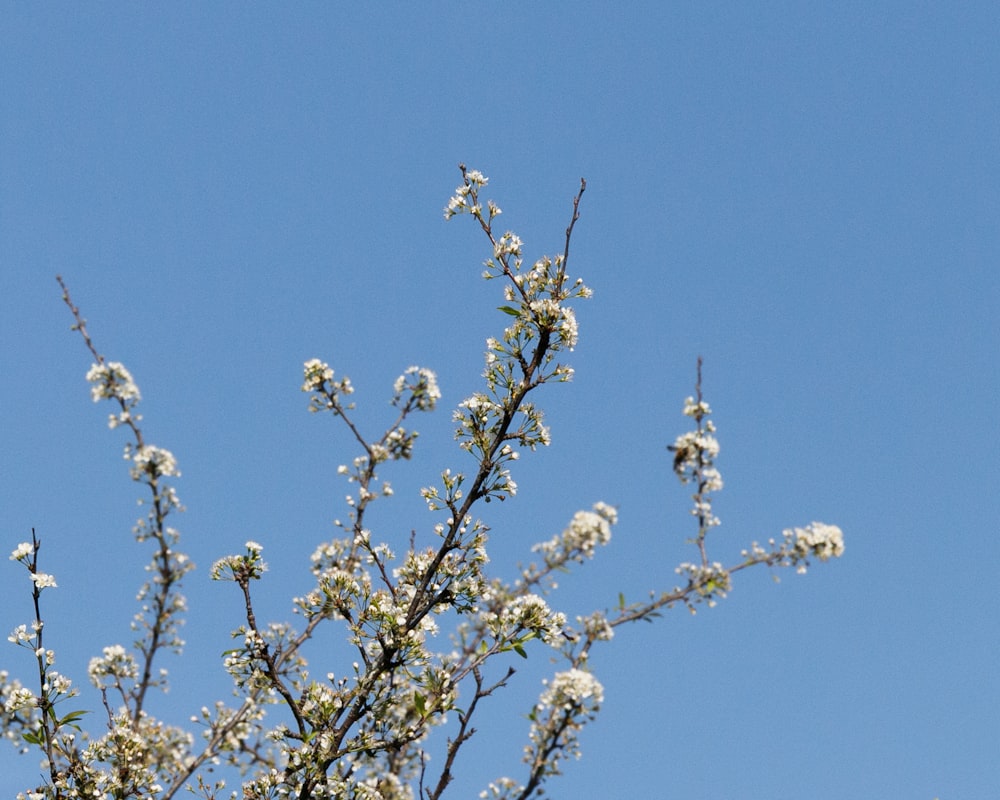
(72, 717)
(509, 310)
(31, 738)
(519, 650)
(420, 703)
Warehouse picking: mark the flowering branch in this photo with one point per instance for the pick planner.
(160, 617)
(363, 731)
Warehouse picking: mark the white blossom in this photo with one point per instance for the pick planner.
(817, 539)
(43, 580)
(571, 689)
(112, 380)
(23, 550)
(20, 699)
(155, 461)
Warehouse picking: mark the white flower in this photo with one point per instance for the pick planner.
(43, 580)
(112, 380)
(610, 513)
(57, 683)
(22, 551)
(455, 206)
(476, 178)
(530, 612)
(425, 389)
(570, 689)
(19, 635)
(509, 244)
(710, 581)
(818, 539)
(585, 532)
(459, 203)
(20, 699)
(570, 330)
(693, 409)
(597, 626)
(316, 373)
(153, 460)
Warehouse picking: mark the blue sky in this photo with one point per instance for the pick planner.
(807, 197)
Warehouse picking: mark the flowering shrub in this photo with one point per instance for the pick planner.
(425, 627)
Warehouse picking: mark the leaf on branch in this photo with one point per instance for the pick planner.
(32, 738)
(72, 717)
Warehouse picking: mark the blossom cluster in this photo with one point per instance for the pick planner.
(116, 663)
(326, 392)
(527, 614)
(422, 385)
(709, 581)
(148, 460)
(817, 539)
(585, 532)
(111, 380)
(694, 460)
(571, 689)
(569, 700)
(241, 568)
(465, 199)
(797, 545)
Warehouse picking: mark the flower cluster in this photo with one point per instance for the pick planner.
(465, 199)
(116, 663)
(817, 539)
(422, 385)
(527, 614)
(242, 568)
(317, 374)
(570, 700)
(796, 546)
(23, 551)
(111, 380)
(149, 461)
(571, 690)
(19, 698)
(578, 542)
(318, 379)
(708, 581)
(694, 460)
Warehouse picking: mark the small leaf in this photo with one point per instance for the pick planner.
(71, 717)
(509, 310)
(519, 650)
(420, 703)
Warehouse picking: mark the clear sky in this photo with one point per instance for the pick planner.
(807, 195)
